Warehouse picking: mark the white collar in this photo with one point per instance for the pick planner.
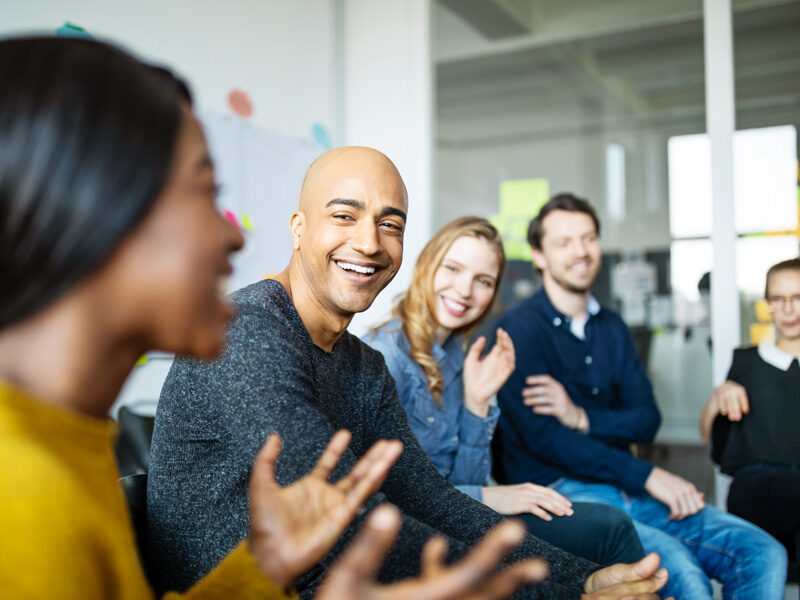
(578, 326)
(592, 305)
(773, 355)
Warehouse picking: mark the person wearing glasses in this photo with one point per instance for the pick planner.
(751, 419)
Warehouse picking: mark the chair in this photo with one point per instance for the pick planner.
(719, 437)
(135, 489)
(133, 443)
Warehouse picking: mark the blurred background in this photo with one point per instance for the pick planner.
(488, 107)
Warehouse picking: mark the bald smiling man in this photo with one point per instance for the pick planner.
(291, 367)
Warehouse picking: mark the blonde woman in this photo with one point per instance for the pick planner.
(448, 394)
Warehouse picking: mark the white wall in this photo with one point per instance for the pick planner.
(388, 105)
(279, 51)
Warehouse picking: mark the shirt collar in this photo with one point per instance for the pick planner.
(773, 355)
(592, 306)
(556, 317)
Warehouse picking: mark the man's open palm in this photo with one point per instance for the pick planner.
(293, 527)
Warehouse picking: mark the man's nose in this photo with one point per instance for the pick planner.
(365, 238)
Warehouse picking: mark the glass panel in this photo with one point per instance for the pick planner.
(583, 97)
(767, 74)
(765, 187)
(754, 256)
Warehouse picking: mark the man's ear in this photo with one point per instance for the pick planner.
(297, 225)
(538, 259)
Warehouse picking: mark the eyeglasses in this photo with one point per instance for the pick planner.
(780, 302)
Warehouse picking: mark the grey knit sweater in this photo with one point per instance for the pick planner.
(213, 417)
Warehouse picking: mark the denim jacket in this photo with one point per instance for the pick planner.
(456, 439)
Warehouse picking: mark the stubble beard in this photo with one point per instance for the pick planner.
(570, 287)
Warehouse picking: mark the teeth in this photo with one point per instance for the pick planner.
(453, 305)
(357, 268)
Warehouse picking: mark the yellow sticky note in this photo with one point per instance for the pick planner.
(143, 360)
(247, 223)
(762, 312)
(523, 197)
(761, 332)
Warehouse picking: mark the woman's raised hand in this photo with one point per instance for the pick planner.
(474, 577)
(484, 377)
(293, 527)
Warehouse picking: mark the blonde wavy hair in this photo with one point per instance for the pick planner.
(415, 308)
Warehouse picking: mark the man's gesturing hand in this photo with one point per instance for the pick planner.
(679, 495)
(293, 527)
(638, 581)
(473, 578)
(548, 397)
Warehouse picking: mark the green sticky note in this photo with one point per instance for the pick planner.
(523, 197)
(499, 222)
(247, 223)
(515, 236)
(517, 228)
(74, 31)
(517, 250)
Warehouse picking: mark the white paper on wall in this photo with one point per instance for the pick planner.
(260, 173)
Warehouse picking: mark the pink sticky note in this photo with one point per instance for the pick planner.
(232, 218)
(240, 103)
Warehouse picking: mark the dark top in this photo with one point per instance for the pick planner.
(601, 373)
(768, 434)
(214, 416)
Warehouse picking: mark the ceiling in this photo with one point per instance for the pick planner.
(521, 70)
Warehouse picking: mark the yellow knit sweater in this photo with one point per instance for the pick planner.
(65, 532)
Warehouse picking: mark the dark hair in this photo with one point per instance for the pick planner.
(561, 201)
(793, 264)
(86, 142)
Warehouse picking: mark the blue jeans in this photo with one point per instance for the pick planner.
(750, 564)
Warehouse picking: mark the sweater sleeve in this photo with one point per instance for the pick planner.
(212, 419)
(636, 419)
(236, 577)
(417, 489)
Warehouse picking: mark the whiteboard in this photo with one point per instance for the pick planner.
(260, 173)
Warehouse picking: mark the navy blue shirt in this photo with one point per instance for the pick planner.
(602, 374)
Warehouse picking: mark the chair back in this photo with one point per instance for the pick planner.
(135, 489)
